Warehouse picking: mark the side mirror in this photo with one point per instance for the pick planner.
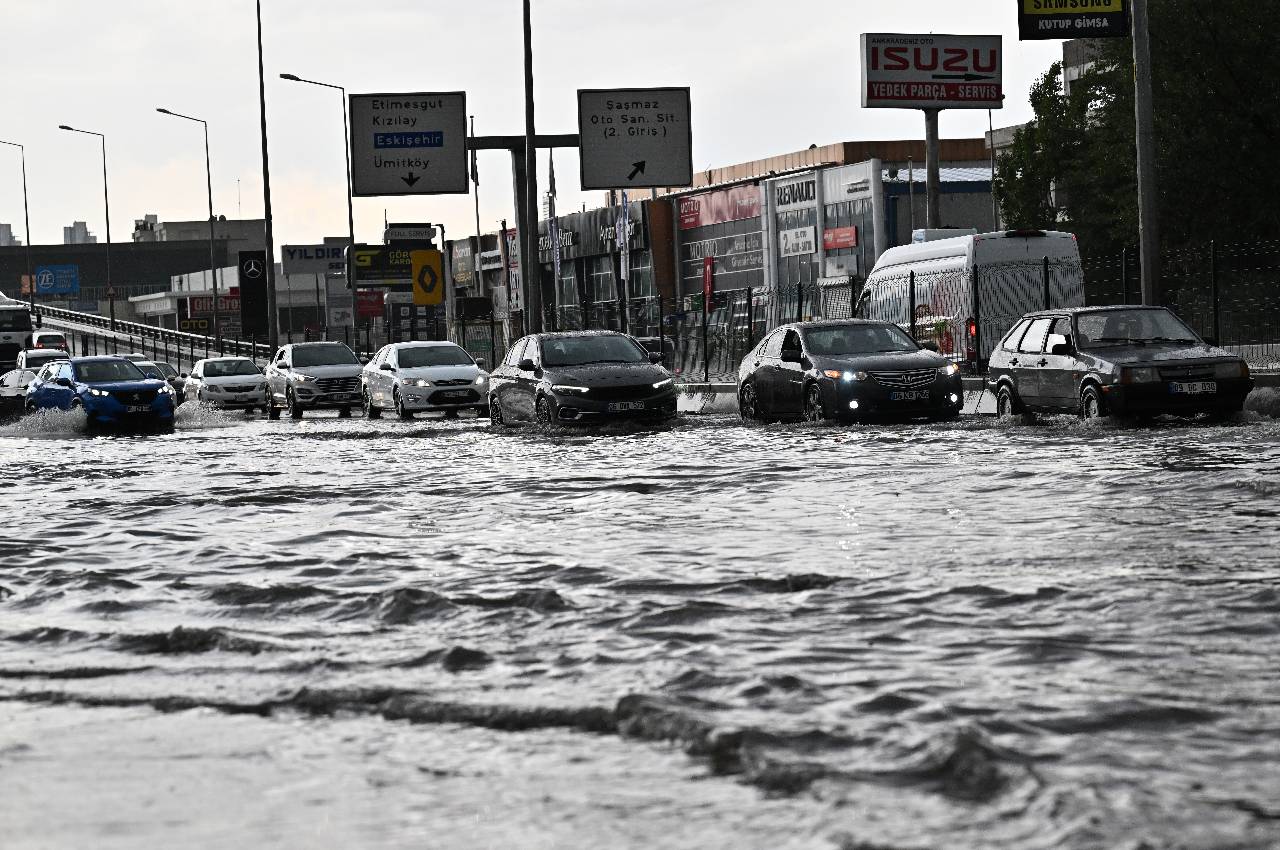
(184, 375)
(387, 367)
(655, 357)
(480, 361)
(930, 346)
(527, 365)
(283, 367)
(63, 382)
(790, 355)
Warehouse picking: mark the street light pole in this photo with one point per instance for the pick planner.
(106, 201)
(1148, 203)
(213, 262)
(529, 238)
(351, 216)
(273, 325)
(26, 215)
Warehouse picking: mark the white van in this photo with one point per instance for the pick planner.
(1010, 273)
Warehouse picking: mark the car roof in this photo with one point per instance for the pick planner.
(102, 358)
(315, 343)
(424, 343)
(55, 352)
(223, 359)
(577, 334)
(1099, 308)
(835, 323)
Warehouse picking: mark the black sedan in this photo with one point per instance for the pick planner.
(1122, 361)
(583, 377)
(847, 370)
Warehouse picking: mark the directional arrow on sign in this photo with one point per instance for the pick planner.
(968, 78)
(410, 180)
(637, 168)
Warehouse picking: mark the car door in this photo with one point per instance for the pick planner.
(503, 381)
(788, 381)
(278, 373)
(191, 389)
(1058, 382)
(62, 388)
(525, 386)
(1026, 366)
(765, 371)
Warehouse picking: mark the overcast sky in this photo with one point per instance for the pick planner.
(768, 77)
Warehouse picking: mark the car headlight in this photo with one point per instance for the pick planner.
(482, 379)
(1226, 371)
(94, 391)
(665, 383)
(306, 378)
(166, 390)
(837, 375)
(414, 382)
(949, 370)
(1145, 375)
(566, 388)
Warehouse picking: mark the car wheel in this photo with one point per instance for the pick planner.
(399, 403)
(1008, 406)
(295, 409)
(344, 413)
(1091, 404)
(273, 412)
(451, 414)
(749, 403)
(546, 414)
(371, 411)
(814, 408)
(496, 418)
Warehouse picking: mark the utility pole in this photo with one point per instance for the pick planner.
(530, 266)
(26, 215)
(933, 180)
(1148, 211)
(273, 325)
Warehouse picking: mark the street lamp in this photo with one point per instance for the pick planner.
(213, 263)
(31, 281)
(106, 200)
(351, 219)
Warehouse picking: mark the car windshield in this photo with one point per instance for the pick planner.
(229, 368)
(15, 320)
(166, 370)
(844, 340)
(324, 355)
(151, 370)
(107, 371)
(433, 355)
(581, 350)
(51, 339)
(1110, 328)
(41, 358)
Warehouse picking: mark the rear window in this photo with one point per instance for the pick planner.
(15, 320)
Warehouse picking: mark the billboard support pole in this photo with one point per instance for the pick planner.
(532, 269)
(1148, 214)
(933, 181)
(273, 325)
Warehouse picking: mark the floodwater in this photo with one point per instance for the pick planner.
(339, 633)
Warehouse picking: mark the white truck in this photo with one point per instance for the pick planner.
(970, 290)
(15, 330)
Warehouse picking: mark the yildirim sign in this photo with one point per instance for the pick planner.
(1045, 19)
(409, 144)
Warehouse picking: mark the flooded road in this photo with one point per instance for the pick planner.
(339, 633)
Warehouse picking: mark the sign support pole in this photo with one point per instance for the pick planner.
(933, 181)
(273, 325)
(1148, 213)
(532, 271)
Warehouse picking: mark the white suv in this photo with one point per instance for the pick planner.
(313, 376)
(424, 377)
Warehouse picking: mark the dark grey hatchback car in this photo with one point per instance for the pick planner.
(847, 370)
(580, 378)
(1122, 361)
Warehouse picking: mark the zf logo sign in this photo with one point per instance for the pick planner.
(428, 278)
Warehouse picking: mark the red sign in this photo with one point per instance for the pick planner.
(708, 278)
(203, 305)
(369, 303)
(840, 237)
(719, 207)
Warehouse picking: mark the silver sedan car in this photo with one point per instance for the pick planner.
(233, 383)
(423, 377)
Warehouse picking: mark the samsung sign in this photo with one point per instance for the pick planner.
(797, 194)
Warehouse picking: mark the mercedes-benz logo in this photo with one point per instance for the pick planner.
(252, 268)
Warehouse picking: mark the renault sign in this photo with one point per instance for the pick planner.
(931, 71)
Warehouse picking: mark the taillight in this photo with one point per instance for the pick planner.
(972, 327)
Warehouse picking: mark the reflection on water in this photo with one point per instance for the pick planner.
(777, 636)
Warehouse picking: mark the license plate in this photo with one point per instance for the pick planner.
(139, 408)
(620, 406)
(1194, 388)
(454, 394)
(343, 396)
(914, 395)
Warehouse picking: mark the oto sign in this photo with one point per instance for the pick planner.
(635, 138)
(931, 71)
(428, 278)
(408, 144)
(1044, 19)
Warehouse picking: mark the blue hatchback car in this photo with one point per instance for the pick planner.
(111, 390)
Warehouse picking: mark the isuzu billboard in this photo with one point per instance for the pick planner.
(931, 71)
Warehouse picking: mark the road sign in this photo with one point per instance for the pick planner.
(1043, 19)
(409, 233)
(635, 138)
(315, 259)
(409, 144)
(428, 278)
(931, 71)
(57, 280)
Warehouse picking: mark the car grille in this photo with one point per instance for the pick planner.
(145, 397)
(629, 392)
(1188, 373)
(247, 388)
(339, 385)
(907, 380)
(454, 397)
(461, 382)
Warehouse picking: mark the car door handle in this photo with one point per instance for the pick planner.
(757, 364)
(1043, 363)
(1013, 362)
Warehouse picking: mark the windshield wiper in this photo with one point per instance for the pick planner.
(1170, 339)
